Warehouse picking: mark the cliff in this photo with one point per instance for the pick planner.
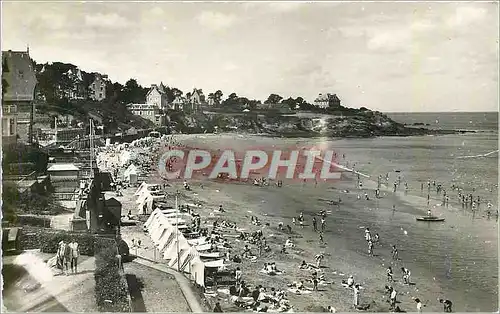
(350, 123)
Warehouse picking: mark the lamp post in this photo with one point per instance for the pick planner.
(177, 228)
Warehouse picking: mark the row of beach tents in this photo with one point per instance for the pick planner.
(188, 256)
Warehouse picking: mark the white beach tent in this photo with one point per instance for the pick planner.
(169, 240)
(151, 218)
(142, 196)
(131, 170)
(148, 202)
(142, 187)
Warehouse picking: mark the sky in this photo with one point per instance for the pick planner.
(386, 56)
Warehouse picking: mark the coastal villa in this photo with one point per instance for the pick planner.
(77, 88)
(195, 99)
(327, 100)
(157, 96)
(178, 103)
(18, 91)
(98, 87)
(148, 111)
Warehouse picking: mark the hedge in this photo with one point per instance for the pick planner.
(47, 240)
(111, 288)
(33, 220)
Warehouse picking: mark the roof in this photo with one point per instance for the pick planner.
(179, 100)
(19, 73)
(98, 76)
(160, 89)
(112, 202)
(63, 167)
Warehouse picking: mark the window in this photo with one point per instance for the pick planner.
(93, 85)
(100, 95)
(102, 88)
(12, 125)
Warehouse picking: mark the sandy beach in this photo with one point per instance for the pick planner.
(437, 254)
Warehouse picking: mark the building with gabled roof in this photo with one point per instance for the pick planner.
(157, 95)
(98, 87)
(18, 89)
(77, 89)
(196, 99)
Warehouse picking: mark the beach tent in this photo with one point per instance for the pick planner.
(176, 249)
(146, 202)
(151, 218)
(142, 187)
(131, 174)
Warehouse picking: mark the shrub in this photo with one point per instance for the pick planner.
(47, 240)
(111, 290)
(33, 220)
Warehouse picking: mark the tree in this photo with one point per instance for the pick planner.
(133, 92)
(232, 101)
(273, 99)
(177, 92)
(218, 96)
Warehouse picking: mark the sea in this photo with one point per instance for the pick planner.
(463, 252)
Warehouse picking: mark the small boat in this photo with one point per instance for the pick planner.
(430, 218)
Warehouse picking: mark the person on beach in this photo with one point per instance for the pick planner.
(217, 308)
(315, 284)
(319, 258)
(321, 240)
(280, 225)
(350, 281)
(406, 275)
(390, 274)
(393, 298)
(376, 238)
(314, 223)
(370, 248)
(395, 254)
(238, 275)
(294, 221)
(356, 296)
(331, 309)
(447, 304)
(429, 213)
(368, 235)
(419, 305)
(75, 253)
(323, 224)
